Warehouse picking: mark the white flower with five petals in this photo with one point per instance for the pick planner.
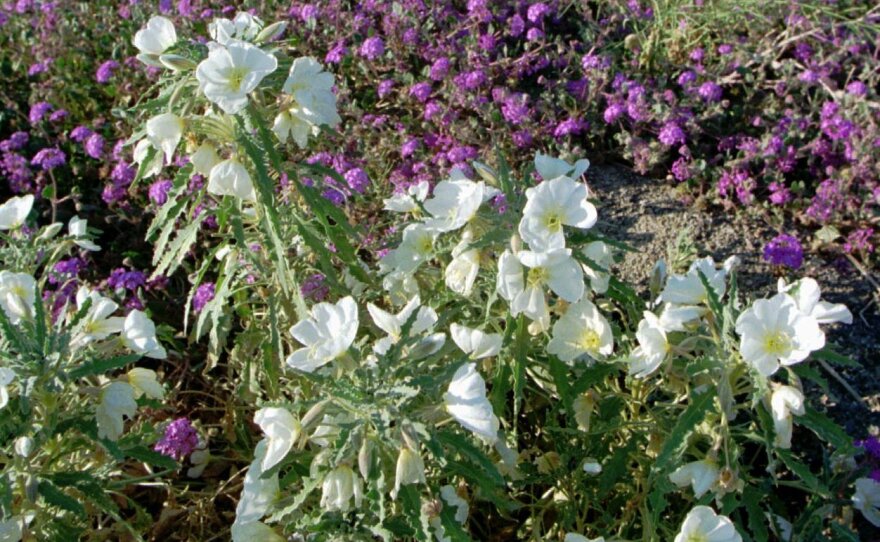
(282, 430)
(231, 178)
(581, 332)
(785, 403)
(475, 343)
(154, 39)
(14, 211)
(233, 71)
(17, 295)
(326, 334)
(704, 525)
(551, 205)
(466, 401)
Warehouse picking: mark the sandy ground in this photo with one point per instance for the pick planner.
(646, 214)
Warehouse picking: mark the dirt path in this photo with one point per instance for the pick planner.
(646, 214)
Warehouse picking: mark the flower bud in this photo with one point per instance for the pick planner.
(488, 174)
(177, 63)
(338, 488)
(50, 231)
(271, 32)
(313, 415)
(365, 458)
(24, 446)
(410, 470)
(516, 243)
(658, 278)
(583, 410)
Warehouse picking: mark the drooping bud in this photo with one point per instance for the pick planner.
(271, 32)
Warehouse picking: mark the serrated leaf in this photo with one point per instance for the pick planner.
(103, 366)
(151, 457)
(56, 497)
(178, 249)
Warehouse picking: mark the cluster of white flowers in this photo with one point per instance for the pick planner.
(234, 68)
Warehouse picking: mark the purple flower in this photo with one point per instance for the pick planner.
(857, 88)
(710, 92)
(534, 34)
(105, 71)
(515, 108)
(410, 147)
(94, 146)
(49, 158)
(385, 87)
(80, 134)
(686, 78)
(569, 127)
(784, 250)
(180, 439)
(672, 134)
(204, 294)
(859, 240)
(15, 142)
(57, 115)
(420, 91)
(308, 12)
(725, 49)
(681, 169)
(372, 48)
(121, 278)
(158, 191)
(516, 25)
(39, 67)
(779, 193)
(122, 174)
(537, 12)
(440, 69)
(38, 111)
(357, 179)
(314, 288)
(613, 112)
(336, 54)
(698, 54)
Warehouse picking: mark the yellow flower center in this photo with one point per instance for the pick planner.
(537, 277)
(777, 343)
(697, 537)
(552, 220)
(425, 245)
(589, 340)
(236, 78)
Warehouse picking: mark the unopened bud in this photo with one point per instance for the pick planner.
(177, 63)
(313, 415)
(365, 458)
(488, 174)
(271, 32)
(50, 231)
(24, 446)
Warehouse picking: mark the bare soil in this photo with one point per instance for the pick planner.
(647, 214)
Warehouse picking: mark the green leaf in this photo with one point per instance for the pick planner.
(803, 472)
(55, 497)
(826, 429)
(752, 501)
(102, 366)
(151, 457)
(168, 262)
(829, 355)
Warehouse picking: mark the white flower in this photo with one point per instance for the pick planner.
(474, 342)
(806, 294)
(205, 158)
(139, 335)
(774, 331)
(466, 401)
(556, 269)
(78, 229)
(405, 202)
(14, 211)
(98, 323)
(282, 430)
(581, 331)
(145, 382)
(410, 469)
(154, 39)
(452, 498)
(550, 168)
(258, 493)
(290, 124)
(785, 402)
(140, 153)
(704, 525)
(311, 89)
(338, 488)
(7, 375)
(602, 255)
(17, 295)
(688, 289)
(867, 499)
(574, 537)
(255, 530)
(700, 475)
(653, 347)
(454, 203)
(231, 178)
(243, 27)
(462, 271)
(164, 132)
(12, 529)
(552, 204)
(392, 324)
(416, 248)
(232, 72)
(116, 401)
(677, 317)
(326, 334)
(591, 466)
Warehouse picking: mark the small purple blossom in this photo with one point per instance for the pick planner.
(122, 278)
(80, 134)
(158, 191)
(710, 92)
(784, 250)
(106, 71)
(15, 142)
(314, 288)
(180, 439)
(420, 91)
(204, 294)
(94, 146)
(440, 68)
(672, 134)
(38, 111)
(49, 158)
(372, 48)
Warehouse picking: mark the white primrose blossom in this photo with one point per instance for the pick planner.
(416, 248)
(551, 168)
(116, 401)
(551, 205)
(78, 229)
(602, 255)
(806, 294)
(17, 295)
(688, 289)
(231, 178)
(243, 27)
(653, 347)
(233, 71)
(462, 271)
(145, 382)
(14, 211)
(165, 132)
(205, 158)
(282, 430)
(774, 331)
(257, 495)
(410, 469)
(785, 403)
(392, 324)
(405, 202)
(139, 335)
(154, 39)
(700, 475)
(867, 499)
(454, 203)
(339, 487)
(475, 343)
(7, 376)
(99, 322)
(581, 332)
(326, 334)
(704, 525)
(313, 102)
(466, 401)
(555, 269)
